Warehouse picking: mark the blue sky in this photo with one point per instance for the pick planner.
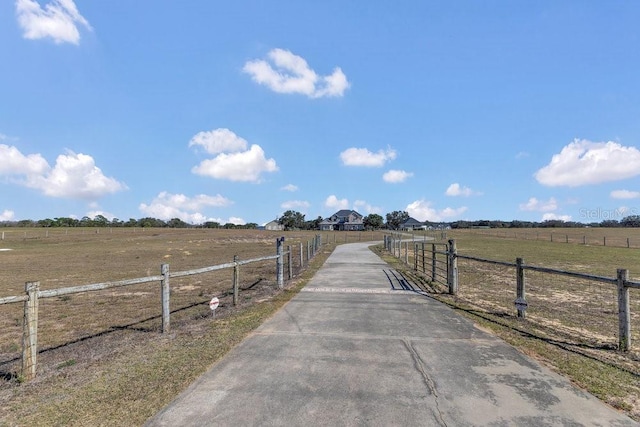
(239, 111)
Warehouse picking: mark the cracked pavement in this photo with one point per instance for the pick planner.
(356, 349)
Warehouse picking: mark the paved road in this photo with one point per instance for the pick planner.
(356, 348)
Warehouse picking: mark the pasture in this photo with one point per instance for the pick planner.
(81, 335)
(571, 323)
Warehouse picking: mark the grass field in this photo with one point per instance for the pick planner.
(102, 360)
(571, 324)
(95, 349)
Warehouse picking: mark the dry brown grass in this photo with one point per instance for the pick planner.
(98, 351)
(571, 324)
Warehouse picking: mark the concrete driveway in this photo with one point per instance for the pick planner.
(358, 347)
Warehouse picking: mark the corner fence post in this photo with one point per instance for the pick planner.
(236, 279)
(279, 263)
(453, 267)
(624, 311)
(165, 292)
(30, 332)
(521, 299)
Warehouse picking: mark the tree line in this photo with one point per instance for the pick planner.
(101, 221)
(293, 220)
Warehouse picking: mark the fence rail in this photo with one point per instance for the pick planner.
(425, 260)
(33, 293)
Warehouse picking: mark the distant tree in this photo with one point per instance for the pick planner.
(373, 221)
(610, 223)
(100, 221)
(251, 225)
(630, 221)
(230, 225)
(177, 223)
(151, 222)
(292, 220)
(396, 218)
(211, 224)
(45, 222)
(131, 223)
(313, 224)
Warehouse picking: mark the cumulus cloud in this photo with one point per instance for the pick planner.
(333, 202)
(15, 163)
(219, 141)
(74, 175)
(533, 204)
(232, 162)
(7, 215)
(396, 176)
(364, 157)
(584, 162)
(290, 187)
(423, 210)
(456, 189)
(285, 72)
(365, 208)
(167, 206)
(625, 194)
(299, 205)
(58, 20)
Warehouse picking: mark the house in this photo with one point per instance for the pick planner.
(274, 226)
(412, 224)
(344, 220)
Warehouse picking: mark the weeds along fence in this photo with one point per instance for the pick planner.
(288, 260)
(595, 310)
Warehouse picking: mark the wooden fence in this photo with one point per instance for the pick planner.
(439, 262)
(284, 263)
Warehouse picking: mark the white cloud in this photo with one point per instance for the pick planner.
(364, 157)
(456, 190)
(552, 216)
(396, 176)
(219, 141)
(7, 215)
(245, 166)
(584, 162)
(59, 20)
(423, 211)
(73, 176)
(94, 214)
(365, 208)
(533, 204)
(333, 202)
(625, 194)
(290, 187)
(299, 205)
(292, 74)
(15, 163)
(167, 206)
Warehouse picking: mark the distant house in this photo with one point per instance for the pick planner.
(274, 226)
(344, 220)
(412, 224)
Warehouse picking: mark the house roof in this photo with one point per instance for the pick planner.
(412, 221)
(345, 212)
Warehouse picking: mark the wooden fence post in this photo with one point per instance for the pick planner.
(415, 256)
(452, 268)
(624, 311)
(279, 263)
(301, 257)
(165, 292)
(236, 280)
(30, 332)
(289, 259)
(521, 300)
(433, 262)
